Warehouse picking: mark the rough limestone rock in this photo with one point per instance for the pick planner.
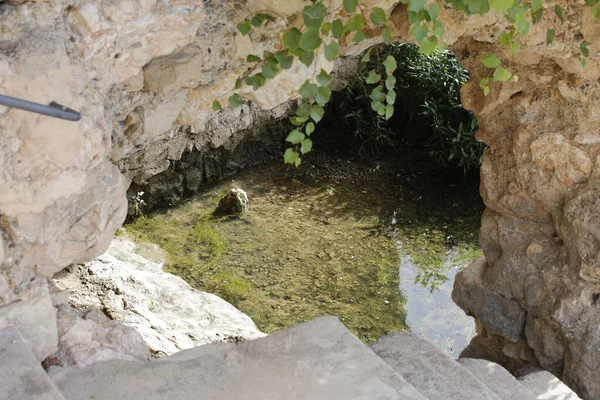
(541, 184)
(234, 202)
(168, 313)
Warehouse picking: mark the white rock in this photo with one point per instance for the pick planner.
(168, 313)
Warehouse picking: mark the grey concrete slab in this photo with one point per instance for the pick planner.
(495, 377)
(317, 360)
(21, 374)
(546, 386)
(429, 370)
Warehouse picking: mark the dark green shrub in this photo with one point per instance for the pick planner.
(427, 108)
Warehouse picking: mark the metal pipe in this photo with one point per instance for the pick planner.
(52, 110)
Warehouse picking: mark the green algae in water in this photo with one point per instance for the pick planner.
(321, 241)
(305, 249)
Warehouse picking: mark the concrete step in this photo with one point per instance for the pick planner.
(495, 377)
(546, 386)
(317, 360)
(429, 370)
(21, 374)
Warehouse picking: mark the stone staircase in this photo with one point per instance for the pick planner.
(316, 360)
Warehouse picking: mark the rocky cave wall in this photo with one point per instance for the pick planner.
(535, 295)
(144, 74)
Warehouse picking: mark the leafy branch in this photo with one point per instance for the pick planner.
(327, 30)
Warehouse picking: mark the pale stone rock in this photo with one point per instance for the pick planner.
(88, 337)
(168, 313)
(569, 163)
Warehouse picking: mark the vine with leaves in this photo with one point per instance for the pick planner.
(326, 30)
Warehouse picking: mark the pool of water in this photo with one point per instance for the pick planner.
(376, 244)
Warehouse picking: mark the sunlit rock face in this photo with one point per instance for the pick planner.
(144, 74)
(541, 184)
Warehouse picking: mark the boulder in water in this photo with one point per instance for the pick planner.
(234, 202)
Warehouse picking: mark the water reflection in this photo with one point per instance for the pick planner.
(430, 311)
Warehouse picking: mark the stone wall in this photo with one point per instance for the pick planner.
(144, 74)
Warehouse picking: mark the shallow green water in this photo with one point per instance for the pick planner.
(325, 239)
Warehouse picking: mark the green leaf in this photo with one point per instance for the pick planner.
(484, 82)
(307, 58)
(332, 51)
(295, 137)
(382, 111)
(306, 146)
(245, 27)
(310, 128)
(297, 162)
(367, 56)
(378, 95)
(359, 37)
(338, 29)
(591, 3)
(323, 79)
(285, 61)
(596, 12)
(584, 49)
(378, 17)
(434, 11)
(373, 77)
(390, 98)
(501, 5)
(269, 71)
(536, 15)
(537, 4)
(505, 39)
(350, 5)
(522, 24)
(514, 48)
(376, 106)
(550, 35)
(486, 90)
(298, 120)
(428, 46)
(389, 111)
(390, 82)
(390, 64)
(253, 58)
(256, 81)
(419, 32)
(291, 38)
(387, 36)
(323, 95)
(317, 113)
(438, 29)
(216, 106)
(314, 15)
(290, 156)
(490, 61)
(355, 23)
(304, 110)
(238, 84)
(310, 40)
(258, 19)
(416, 5)
(308, 90)
(501, 75)
(235, 100)
(559, 12)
